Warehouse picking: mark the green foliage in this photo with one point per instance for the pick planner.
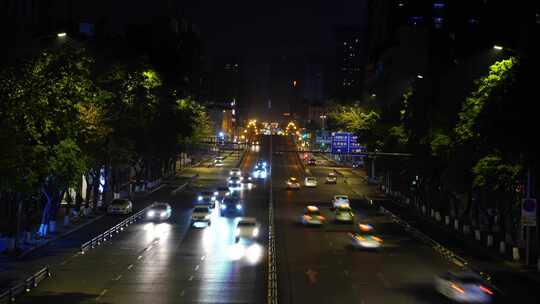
(495, 173)
(400, 134)
(474, 105)
(441, 144)
(354, 119)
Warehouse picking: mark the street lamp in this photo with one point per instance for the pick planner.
(323, 117)
(419, 76)
(60, 35)
(497, 47)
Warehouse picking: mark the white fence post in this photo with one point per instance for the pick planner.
(502, 247)
(477, 235)
(515, 253)
(456, 225)
(447, 220)
(489, 242)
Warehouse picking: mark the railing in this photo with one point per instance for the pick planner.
(116, 229)
(272, 257)
(9, 295)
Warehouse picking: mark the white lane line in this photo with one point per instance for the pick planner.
(118, 277)
(384, 280)
(190, 278)
(130, 266)
(182, 293)
(101, 294)
(63, 262)
(203, 257)
(196, 267)
(139, 257)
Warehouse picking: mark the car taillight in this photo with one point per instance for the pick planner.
(457, 288)
(486, 290)
(321, 218)
(377, 239)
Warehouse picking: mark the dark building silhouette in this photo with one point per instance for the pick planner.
(351, 60)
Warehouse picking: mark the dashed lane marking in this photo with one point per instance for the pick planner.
(203, 257)
(130, 266)
(196, 267)
(101, 294)
(118, 277)
(182, 293)
(190, 278)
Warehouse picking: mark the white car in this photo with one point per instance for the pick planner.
(201, 213)
(247, 228)
(159, 212)
(235, 172)
(364, 241)
(344, 213)
(331, 178)
(312, 216)
(340, 200)
(310, 181)
(463, 287)
(218, 163)
(120, 206)
(293, 183)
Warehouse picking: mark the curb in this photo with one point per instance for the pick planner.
(22, 255)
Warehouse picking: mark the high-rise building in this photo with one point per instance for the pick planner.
(351, 60)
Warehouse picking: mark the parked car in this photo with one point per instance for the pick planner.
(120, 206)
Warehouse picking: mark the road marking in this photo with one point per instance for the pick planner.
(190, 278)
(196, 267)
(182, 293)
(384, 280)
(203, 257)
(118, 277)
(101, 294)
(139, 257)
(130, 266)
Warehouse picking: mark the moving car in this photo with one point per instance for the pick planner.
(235, 182)
(312, 216)
(218, 163)
(120, 206)
(159, 212)
(221, 192)
(344, 214)
(246, 182)
(247, 229)
(331, 178)
(231, 205)
(206, 198)
(312, 162)
(201, 213)
(310, 181)
(357, 164)
(463, 287)
(364, 241)
(340, 200)
(261, 164)
(293, 183)
(259, 172)
(235, 172)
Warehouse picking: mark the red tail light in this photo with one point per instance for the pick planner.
(457, 288)
(486, 290)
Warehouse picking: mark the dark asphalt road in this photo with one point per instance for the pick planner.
(169, 262)
(317, 265)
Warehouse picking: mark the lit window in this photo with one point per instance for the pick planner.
(438, 5)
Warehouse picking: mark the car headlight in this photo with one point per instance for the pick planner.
(207, 216)
(255, 232)
(237, 232)
(150, 213)
(163, 213)
(214, 198)
(238, 207)
(230, 181)
(216, 193)
(223, 207)
(230, 173)
(199, 198)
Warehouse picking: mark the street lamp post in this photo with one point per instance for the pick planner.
(323, 118)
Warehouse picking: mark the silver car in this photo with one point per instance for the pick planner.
(120, 206)
(463, 287)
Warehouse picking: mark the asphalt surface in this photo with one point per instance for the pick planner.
(318, 265)
(170, 262)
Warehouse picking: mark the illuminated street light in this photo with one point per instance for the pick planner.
(63, 34)
(497, 47)
(419, 76)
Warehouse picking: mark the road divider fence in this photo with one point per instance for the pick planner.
(9, 295)
(116, 229)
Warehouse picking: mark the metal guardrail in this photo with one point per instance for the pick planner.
(272, 261)
(9, 295)
(116, 229)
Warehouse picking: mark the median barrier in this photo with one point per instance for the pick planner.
(9, 295)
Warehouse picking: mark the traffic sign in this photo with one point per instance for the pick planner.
(346, 143)
(528, 212)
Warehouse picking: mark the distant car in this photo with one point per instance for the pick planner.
(261, 164)
(340, 200)
(259, 172)
(120, 206)
(344, 214)
(464, 287)
(364, 241)
(312, 216)
(310, 181)
(231, 205)
(247, 182)
(357, 164)
(206, 198)
(312, 162)
(159, 212)
(201, 213)
(235, 172)
(218, 163)
(293, 183)
(221, 193)
(235, 182)
(331, 178)
(247, 229)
